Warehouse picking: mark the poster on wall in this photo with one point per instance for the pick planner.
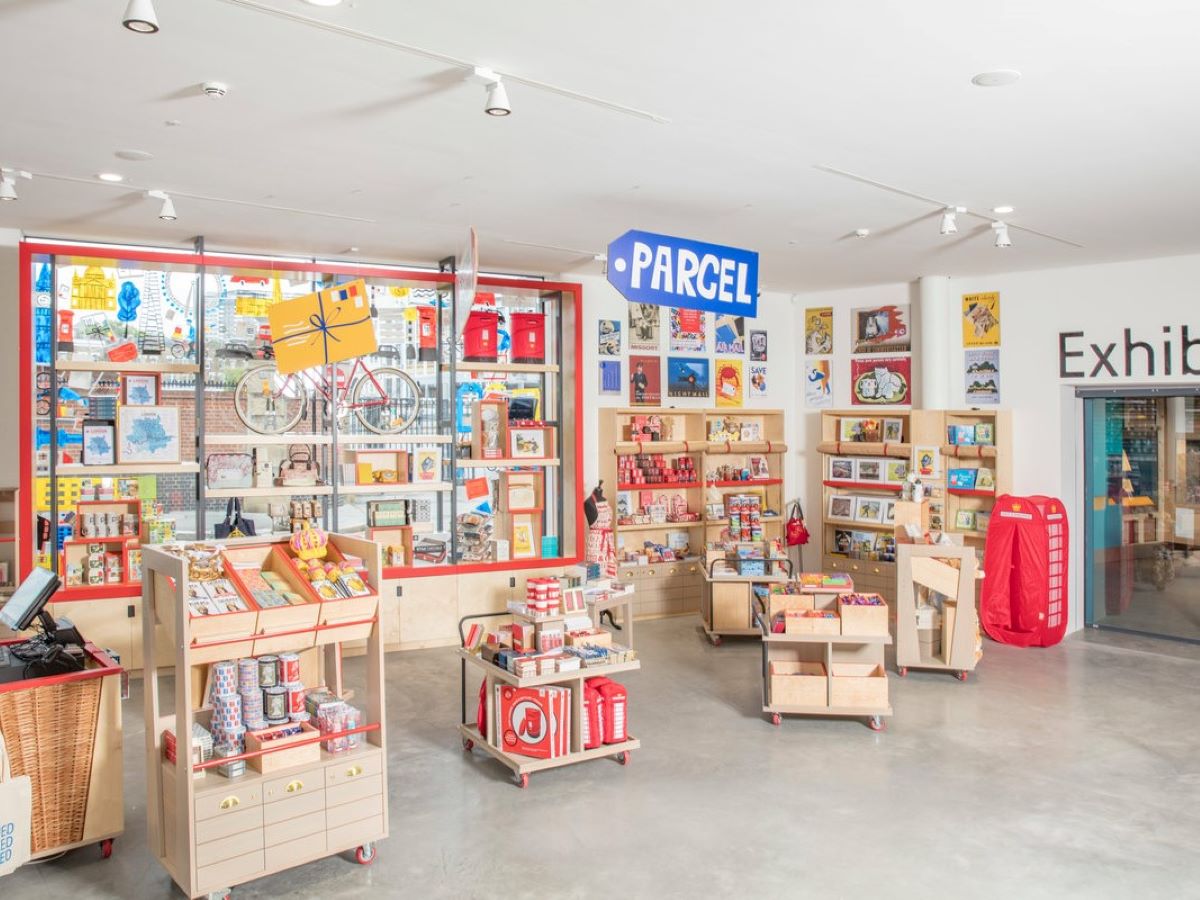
(981, 376)
(609, 339)
(730, 334)
(981, 320)
(881, 329)
(610, 376)
(645, 380)
(644, 324)
(818, 330)
(880, 380)
(927, 461)
(729, 382)
(758, 381)
(758, 346)
(687, 329)
(687, 377)
(818, 391)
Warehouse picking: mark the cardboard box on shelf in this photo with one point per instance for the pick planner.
(863, 614)
(858, 685)
(798, 684)
(805, 621)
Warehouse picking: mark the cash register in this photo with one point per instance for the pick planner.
(56, 648)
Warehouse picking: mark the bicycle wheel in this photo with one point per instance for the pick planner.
(268, 402)
(386, 400)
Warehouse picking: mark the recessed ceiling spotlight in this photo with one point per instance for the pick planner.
(167, 211)
(1002, 239)
(497, 96)
(949, 219)
(996, 78)
(111, 177)
(134, 155)
(1002, 210)
(140, 17)
(862, 232)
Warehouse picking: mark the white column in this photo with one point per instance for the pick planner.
(933, 339)
(10, 288)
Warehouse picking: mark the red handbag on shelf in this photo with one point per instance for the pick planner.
(797, 532)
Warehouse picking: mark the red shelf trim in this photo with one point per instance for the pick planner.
(752, 481)
(668, 486)
(221, 760)
(271, 635)
(864, 485)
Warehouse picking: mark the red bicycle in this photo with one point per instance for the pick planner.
(386, 400)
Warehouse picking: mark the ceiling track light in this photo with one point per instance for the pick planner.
(950, 219)
(167, 211)
(1002, 239)
(8, 182)
(140, 17)
(496, 103)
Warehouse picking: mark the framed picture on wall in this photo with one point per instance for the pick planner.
(841, 506)
(148, 434)
(140, 390)
(893, 431)
(99, 445)
(868, 509)
(868, 470)
(841, 468)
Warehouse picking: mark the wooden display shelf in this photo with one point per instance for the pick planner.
(525, 765)
(753, 482)
(133, 368)
(863, 485)
(773, 638)
(866, 448)
(970, 451)
(319, 490)
(924, 567)
(505, 463)
(266, 440)
(515, 368)
(670, 486)
(642, 448)
(970, 492)
(718, 523)
(549, 678)
(725, 448)
(833, 711)
(664, 527)
(129, 469)
(851, 524)
(402, 438)
(411, 487)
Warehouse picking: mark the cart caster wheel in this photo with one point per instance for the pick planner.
(468, 745)
(365, 855)
(962, 676)
(623, 757)
(875, 723)
(776, 719)
(225, 894)
(106, 848)
(716, 640)
(522, 780)
(902, 671)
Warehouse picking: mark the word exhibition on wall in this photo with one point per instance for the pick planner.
(1125, 358)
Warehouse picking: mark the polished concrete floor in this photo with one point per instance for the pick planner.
(1068, 772)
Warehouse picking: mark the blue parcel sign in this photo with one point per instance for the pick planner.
(672, 271)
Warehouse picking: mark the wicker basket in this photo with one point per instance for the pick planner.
(50, 732)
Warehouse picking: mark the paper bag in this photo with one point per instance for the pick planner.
(326, 327)
(16, 811)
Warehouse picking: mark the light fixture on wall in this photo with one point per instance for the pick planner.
(1002, 239)
(167, 211)
(140, 17)
(950, 219)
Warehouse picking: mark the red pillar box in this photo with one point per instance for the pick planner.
(528, 337)
(479, 336)
(427, 334)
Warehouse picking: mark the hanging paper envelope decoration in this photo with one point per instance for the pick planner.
(326, 327)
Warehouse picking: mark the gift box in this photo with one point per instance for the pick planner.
(534, 722)
(326, 327)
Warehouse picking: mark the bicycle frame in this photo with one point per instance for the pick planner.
(322, 388)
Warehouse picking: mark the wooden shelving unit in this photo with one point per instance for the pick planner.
(506, 463)
(997, 457)
(316, 490)
(950, 572)
(211, 832)
(420, 487)
(249, 439)
(72, 365)
(130, 469)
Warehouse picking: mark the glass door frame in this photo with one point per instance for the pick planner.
(1084, 394)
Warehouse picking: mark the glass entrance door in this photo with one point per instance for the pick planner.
(1142, 498)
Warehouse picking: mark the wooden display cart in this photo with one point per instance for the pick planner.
(833, 675)
(951, 572)
(727, 606)
(523, 766)
(211, 832)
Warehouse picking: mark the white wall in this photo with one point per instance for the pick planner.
(775, 316)
(10, 289)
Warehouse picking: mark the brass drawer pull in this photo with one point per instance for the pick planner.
(294, 787)
(230, 803)
(354, 771)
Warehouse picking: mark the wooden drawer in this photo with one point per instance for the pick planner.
(227, 800)
(351, 791)
(356, 811)
(231, 823)
(287, 787)
(354, 834)
(301, 804)
(227, 848)
(229, 872)
(307, 849)
(295, 828)
(356, 766)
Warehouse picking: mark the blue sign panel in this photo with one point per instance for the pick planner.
(672, 271)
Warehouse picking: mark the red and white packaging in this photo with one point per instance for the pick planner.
(523, 637)
(593, 718)
(534, 722)
(616, 709)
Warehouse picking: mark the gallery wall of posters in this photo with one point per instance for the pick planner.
(981, 340)
(818, 362)
(609, 339)
(645, 322)
(758, 381)
(758, 346)
(645, 381)
(687, 377)
(981, 320)
(730, 388)
(881, 329)
(981, 371)
(818, 331)
(687, 329)
(610, 376)
(730, 334)
(818, 392)
(881, 380)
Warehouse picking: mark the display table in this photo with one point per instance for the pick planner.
(64, 731)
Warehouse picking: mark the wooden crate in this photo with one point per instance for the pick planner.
(798, 684)
(777, 603)
(282, 755)
(801, 624)
(858, 620)
(858, 684)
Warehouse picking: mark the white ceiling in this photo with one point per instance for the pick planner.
(1097, 143)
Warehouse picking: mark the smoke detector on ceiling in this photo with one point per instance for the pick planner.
(215, 88)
